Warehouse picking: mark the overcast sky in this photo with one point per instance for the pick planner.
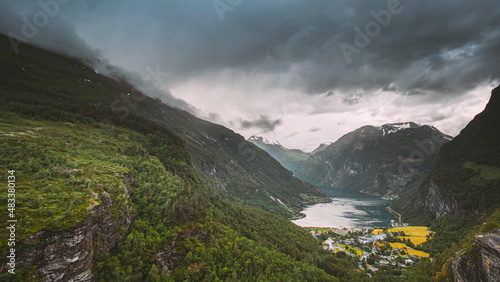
(299, 72)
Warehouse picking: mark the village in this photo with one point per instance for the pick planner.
(378, 251)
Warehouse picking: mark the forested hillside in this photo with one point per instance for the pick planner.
(229, 164)
(114, 197)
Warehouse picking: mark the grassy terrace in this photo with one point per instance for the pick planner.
(63, 169)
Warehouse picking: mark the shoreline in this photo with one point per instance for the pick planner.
(395, 214)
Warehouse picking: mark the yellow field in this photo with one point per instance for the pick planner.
(377, 231)
(398, 245)
(416, 234)
(416, 231)
(415, 240)
(417, 253)
(409, 250)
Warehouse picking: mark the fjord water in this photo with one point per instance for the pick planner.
(349, 209)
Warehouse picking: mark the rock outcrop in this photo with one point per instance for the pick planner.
(481, 262)
(489, 245)
(69, 255)
(438, 204)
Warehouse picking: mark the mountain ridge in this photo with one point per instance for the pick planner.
(291, 159)
(229, 164)
(415, 146)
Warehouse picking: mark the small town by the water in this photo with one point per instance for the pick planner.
(389, 250)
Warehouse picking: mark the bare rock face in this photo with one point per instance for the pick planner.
(481, 263)
(438, 204)
(69, 255)
(489, 246)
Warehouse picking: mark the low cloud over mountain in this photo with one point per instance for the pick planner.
(280, 58)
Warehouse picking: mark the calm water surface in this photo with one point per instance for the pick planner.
(348, 209)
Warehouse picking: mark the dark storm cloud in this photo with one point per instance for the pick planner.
(352, 99)
(29, 22)
(263, 123)
(43, 23)
(426, 46)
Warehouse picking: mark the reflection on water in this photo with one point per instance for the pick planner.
(347, 209)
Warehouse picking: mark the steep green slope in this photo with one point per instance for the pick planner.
(54, 163)
(234, 167)
(466, 179)
(110, 196)
(229, 164)
(64, 174)
(460, 199)
(383, 161)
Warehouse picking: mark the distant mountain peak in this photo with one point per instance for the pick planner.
(399, 125)
(291, 159)
(496, 90)
(263, 140)
(370, 159)
(390, 128)
(321, 147)
(495, 97)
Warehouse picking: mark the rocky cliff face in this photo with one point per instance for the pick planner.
(437, 203)
(489, 245)
(481, 262)
(69, 255)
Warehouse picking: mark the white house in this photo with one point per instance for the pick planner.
(328, 244)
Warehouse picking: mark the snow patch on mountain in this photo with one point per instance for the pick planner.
(263, 140)
(395, 127)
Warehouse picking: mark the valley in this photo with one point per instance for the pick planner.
(110, 173)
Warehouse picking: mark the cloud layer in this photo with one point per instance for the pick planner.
(263, 123)
(252, 63)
